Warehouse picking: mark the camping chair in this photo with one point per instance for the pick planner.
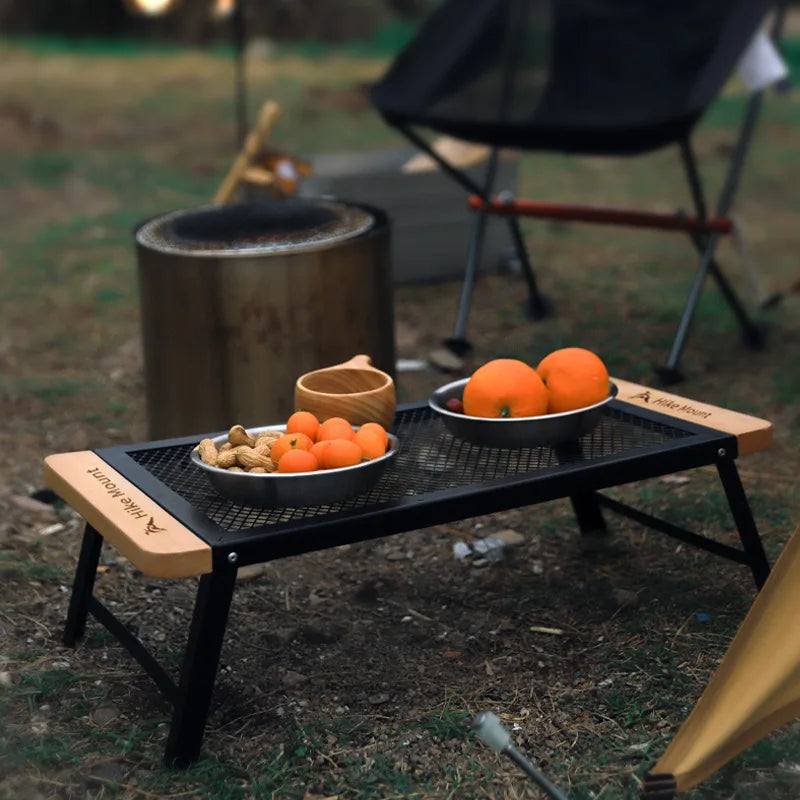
(584, 77)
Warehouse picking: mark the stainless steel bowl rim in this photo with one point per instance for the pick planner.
(287, 476)
(449, 387)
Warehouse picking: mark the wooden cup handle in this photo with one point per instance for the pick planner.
(360, 361)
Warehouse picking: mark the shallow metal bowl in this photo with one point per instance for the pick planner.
(515, 432)
(274, 490)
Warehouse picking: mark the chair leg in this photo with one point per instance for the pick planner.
(539, 306)
(669, 373)
(706, 245)
(458, 342)
(753, 335)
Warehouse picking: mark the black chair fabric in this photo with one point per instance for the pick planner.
(595, 77)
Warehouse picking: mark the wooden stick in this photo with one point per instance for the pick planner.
(258, 176)
(270, 112)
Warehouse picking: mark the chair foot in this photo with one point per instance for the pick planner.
(538, 308)
(755, 336)
(668, 376)
(458, 346)
(770, 301)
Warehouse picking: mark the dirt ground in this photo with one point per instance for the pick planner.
(354, 672)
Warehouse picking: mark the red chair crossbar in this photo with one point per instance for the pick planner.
(602, 216)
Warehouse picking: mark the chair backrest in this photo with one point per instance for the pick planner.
(594, 76)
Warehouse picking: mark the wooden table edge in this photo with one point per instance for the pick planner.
(140, 529)
(753, 434)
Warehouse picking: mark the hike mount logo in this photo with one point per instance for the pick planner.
(151, 527)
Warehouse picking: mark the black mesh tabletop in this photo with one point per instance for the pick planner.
(433, 478)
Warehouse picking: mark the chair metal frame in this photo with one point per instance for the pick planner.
(703, 230)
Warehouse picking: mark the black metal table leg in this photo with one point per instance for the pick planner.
(589, 514)
(82, 586)
(214, 595)
(743, 517)
(585, 504)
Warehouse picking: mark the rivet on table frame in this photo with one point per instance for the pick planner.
(233, 558)
(722, 452)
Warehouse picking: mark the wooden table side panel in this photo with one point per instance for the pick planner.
(752, 433)
(154, 541)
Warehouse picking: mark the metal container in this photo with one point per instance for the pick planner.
(239, 300)
(274, 490)
(515, 432)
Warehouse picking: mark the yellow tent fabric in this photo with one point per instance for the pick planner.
(755, 689)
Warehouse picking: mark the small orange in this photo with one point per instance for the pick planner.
(298, 461)
(574, 377)
(318, 448)
(341, 453)
(289, 441)
(370, 442)
(303, 422)
(377, 428)
(335, 428)
(505, 387)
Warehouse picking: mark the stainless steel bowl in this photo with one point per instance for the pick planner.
(515, 432)
(274, 490)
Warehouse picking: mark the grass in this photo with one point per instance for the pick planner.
(144, 130)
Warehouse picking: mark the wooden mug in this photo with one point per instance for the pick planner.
(354, 390)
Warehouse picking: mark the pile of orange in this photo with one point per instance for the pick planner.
(566, 379)
(310, 445)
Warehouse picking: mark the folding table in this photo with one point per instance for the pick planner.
(151, 503)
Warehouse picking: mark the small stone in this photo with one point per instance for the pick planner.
(511, 537)
(33, 506)
(109, 771)
(291, 678)
(250, 572)
(461, 550)
(5, 680)
(625, 597)
(105, 714)
(446, 360)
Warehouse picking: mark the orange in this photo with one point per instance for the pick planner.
(335, 428)
(574, 377)
(297, 460)
(376, 427)
(303, 422)
(318, 448)
(341, 453)
(289, 441)
(370, 442)
(505, 387)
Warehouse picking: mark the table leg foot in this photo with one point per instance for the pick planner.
(82, 586)
(589, 515)
(199, 670)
